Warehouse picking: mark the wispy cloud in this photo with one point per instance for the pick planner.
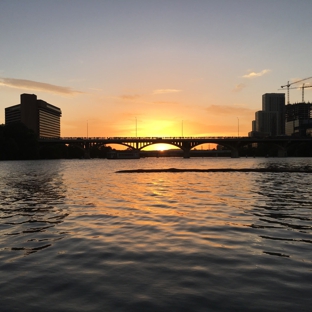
(96, 89)
(164, 91)
(129, 97)
(259, 74)
(36, 86)
(165, 103)
(239, 87)
(229, 110)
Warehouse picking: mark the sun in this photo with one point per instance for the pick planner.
(159, 147)
(162, 147)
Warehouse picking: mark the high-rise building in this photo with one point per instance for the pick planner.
(266, 123)
(275, 103)
(298, 119)
(41, 117)
(270, 121)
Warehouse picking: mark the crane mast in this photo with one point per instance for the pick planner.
(289, 84)
(302, 88)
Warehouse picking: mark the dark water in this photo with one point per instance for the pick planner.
(76, 236)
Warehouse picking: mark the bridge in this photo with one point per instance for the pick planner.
(183, 143)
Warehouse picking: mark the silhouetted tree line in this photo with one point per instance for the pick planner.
(17, 142)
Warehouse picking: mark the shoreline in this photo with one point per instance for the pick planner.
(174, 170)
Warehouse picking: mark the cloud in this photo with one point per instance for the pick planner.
(259, 74)
(164, 91)
(36, 86)
(229, 110)
(128, 97)
(95, 89)
(239, 87)
(165, 103)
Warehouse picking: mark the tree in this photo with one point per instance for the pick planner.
(17, 142)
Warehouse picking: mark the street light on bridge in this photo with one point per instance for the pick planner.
(237, 126)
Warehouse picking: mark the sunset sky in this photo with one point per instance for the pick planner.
(155, 66)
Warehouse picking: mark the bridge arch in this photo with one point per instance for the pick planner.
(232, 146)
(160, 143)
(127, 145)
(200, 144)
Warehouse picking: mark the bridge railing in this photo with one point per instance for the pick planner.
(166, 139)
(138, 138)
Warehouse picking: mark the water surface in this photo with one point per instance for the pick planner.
(77, 236)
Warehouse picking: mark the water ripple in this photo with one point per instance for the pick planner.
(87, 239)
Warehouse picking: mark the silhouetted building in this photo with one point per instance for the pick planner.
(298, 119)
(270, 121)
(253, 125)
(41, 117)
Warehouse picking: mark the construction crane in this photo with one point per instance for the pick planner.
(303, 87)
(289, 84)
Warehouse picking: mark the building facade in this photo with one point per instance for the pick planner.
(274, 105)
(270, 121)
(298, 119)
(41, 117)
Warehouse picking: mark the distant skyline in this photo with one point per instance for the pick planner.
(154, 68)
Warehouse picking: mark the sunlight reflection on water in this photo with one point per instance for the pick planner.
(87, 238)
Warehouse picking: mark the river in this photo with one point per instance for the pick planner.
(77, 236)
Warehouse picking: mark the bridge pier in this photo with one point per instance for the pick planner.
(186, 154)
(86, 154)
(87, 151)
(282, 152)
(186, 147)
(234, 153)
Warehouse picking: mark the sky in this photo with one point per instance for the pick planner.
(154, 67)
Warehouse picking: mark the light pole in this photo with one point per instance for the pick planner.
(182, 129)
(136, 127)
(237, 126)
(87, 129)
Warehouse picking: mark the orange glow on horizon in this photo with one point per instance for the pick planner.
(159, 147)
(164, 147)
(126, 127)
